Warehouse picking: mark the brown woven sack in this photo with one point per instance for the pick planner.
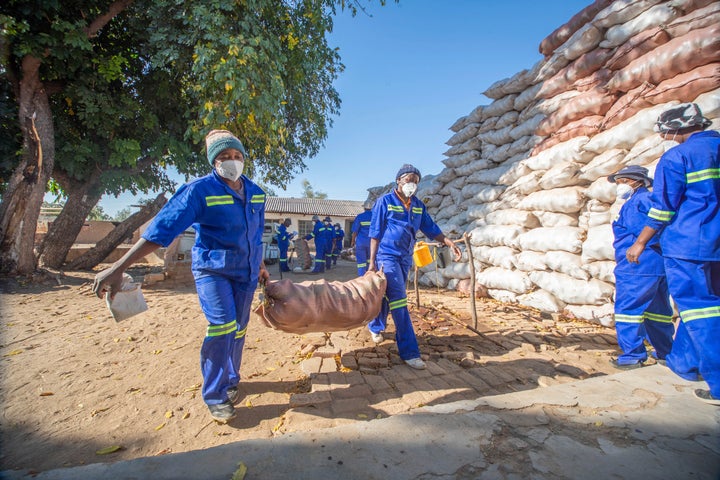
(686, 86)
(322, 306)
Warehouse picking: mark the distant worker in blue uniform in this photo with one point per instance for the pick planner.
(227, 211)
(396, 219)
(328, 236)
(686, 207)
(318, 235)
(642, 300)
(338, 245)
(283, 239)
(360, 239)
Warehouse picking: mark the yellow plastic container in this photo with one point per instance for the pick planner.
(421, 255)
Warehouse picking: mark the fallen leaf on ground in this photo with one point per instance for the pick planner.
(106, 450)
(240, 472)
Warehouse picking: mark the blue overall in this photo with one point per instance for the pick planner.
(283, 239)
(361, 229)
(317, 235)
(395, 227)
(642, 300)
(328, 235)
(337, 249)
(686, 204)
(226, 261)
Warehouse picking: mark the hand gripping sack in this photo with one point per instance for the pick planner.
(322, 306)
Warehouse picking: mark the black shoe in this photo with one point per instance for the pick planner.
(233, 394)
(222, 412)
(706, 396)
(661, 361)
(625, 366)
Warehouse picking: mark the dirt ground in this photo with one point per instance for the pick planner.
(77, 387)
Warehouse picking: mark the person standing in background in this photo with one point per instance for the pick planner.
(318, 235)
(642, 301)
(283, 239)
(396, 219)
(686, 208)
(360, 240)
(337, 247)
(328, 236)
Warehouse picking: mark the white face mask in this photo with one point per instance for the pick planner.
(231, 169)
(624, 191)
(409, 189)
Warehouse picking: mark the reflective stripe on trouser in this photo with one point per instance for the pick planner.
(283, 258)
(319, 265)
(695, 287)
(395, 302)
(362, 253)
(642, 311)
(226, 305)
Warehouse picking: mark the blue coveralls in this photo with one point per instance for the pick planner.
(642, 300)
(361, 227)
(395, 227)
(337, 249)
(317, 235)
(686, 202)
(328, 235)
(283, 239)
(226, 261)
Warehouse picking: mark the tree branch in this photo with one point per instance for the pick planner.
(113, 10)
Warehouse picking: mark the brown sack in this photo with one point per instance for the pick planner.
(322, 306)
(565, 31)
(627, 106)
(593, 102)
(686, 86)
(579, 69)
(584, 127)
(679, 55)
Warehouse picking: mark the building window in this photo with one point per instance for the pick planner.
(305, 227)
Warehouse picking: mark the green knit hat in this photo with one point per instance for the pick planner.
(218, 140)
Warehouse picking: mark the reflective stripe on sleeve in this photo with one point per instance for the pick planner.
(699, 176)
(660, 215)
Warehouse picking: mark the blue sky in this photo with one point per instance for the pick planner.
(411, 70)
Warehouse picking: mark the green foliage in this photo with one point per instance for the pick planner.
(309, 192)
(97, 213)
(123, 214)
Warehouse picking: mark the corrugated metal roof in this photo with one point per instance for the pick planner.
(313, 206)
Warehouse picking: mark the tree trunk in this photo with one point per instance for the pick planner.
(20, 207)
(105, 246)
(82, 197)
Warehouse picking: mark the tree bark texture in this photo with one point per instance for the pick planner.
(105, 246)
(63, 231)
(20, 207)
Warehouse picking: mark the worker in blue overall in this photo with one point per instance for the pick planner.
(686, 207)
(337, 246)
(227, 211)
(328, 236)
(360, 240)
(318, 235)
(642, 301)
(396, 219)
(283, 239)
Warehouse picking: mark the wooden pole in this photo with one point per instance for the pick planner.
(417, 292)
(473, 310)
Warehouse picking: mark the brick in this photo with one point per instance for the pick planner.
(336, 378)
(326, 351)
(345, 405)
(354, 378)
(434, 369)
(311, 365)
(448, 366)
(377, 362)
(484, 374)
(328, 365)
(307, 399)
(473, 382)
(377, 383)
(352, 392)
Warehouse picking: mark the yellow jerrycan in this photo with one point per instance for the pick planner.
(421, 255)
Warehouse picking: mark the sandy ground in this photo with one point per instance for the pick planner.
(75, 384)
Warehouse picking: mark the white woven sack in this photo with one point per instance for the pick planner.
(472, 144)
(604, 164)
(709, 103)
(459, 124)
(502, 256)
(433, 279)
(621, 11)
(528, 261)
(657, 15)
(547, 105)
(593, 219)
(561, 200)
(561, 175)
(476, 115)
(499, 107)
(503, 279)
(602, 314)
(495, 235)
(507, 118)
(567, 263)
(571, 290)
(479, 211)
(599, 244)
(513, 216)
(541, 300)
(502, 296)
(500, 136)
(487, 124)
(628, 132)
(602, 190)
(596, 206)
(473, 166)
(544, 239)
(527, 127)
(552, 219)
(528, 183)
(459, 270)
(603, 270)
(572, 150)
(487, 194)
(526, 97)
(551, 65)
(463, 135)
(647, 150)
(445, 175)
(461, 159)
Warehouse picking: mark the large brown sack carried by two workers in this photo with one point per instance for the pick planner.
(322, 306)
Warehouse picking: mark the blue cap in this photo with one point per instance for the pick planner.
(635, 172)
(407, 168)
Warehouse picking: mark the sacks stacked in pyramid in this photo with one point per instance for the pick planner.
(526, 174)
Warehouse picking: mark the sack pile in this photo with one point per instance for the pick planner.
(526, 174)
